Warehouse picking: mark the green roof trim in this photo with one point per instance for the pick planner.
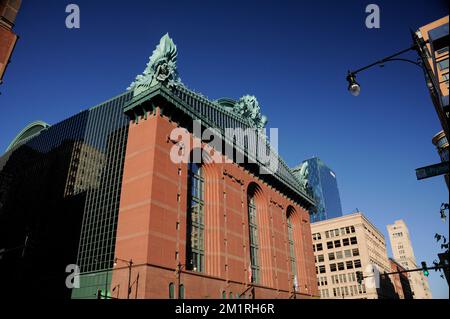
(27, 132)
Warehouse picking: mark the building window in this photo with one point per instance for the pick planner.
(348, 253)
(253, 230)
(353, 241)
(292, 247)
(352, 229)
(322, 269)
(349, 264)
(332, 267)
(171, 291)
(195, 219)
(327, 234)
(331, 256)
(339, 255)
(319, 247)
(181, 292)
(443, 65)
(351, 277)
(320, 258)
(357, 263)
(355, 252)
(341, 266)
(337, 243)
(345, 241)
(224, 295)
(330, 245)
(442, 50)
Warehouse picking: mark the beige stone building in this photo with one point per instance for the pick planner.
(403, 253)
(433, 38)
(344, 246)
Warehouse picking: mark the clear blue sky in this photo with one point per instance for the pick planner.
(293, 55)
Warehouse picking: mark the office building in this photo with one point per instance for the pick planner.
(321, 182)
(345, 246)
(433, 40)
(403, 253)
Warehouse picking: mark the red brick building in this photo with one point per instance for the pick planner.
(205, 230)
(8, 39)
(400, 281)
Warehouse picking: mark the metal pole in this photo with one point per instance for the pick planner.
(407, 270)
(413, 47)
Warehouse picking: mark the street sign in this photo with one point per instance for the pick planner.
(432, 170)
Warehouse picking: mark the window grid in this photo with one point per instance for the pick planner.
(253, 229)
(292, 248)
(196, 226)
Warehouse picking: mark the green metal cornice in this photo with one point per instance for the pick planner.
(28, 131)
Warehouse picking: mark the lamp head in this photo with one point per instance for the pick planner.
(353, 86)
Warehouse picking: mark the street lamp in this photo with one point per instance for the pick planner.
(353, 86)
(130, 265)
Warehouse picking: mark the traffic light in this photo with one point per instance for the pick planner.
(359, 277)
(425, 269)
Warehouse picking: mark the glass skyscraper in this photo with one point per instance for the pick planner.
(59, 196)
(321, 181)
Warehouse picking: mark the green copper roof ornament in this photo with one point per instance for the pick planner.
(303, 175)
(248, 107)
(161, 68)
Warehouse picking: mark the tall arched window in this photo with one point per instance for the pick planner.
(291, 230)
(253, 231)
(195, 219)
(181, 292)
(171, 290)
(291, 247)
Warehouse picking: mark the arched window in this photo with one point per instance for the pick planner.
(253, 231)
(224, 294)
(291, 229)
(171, 291)
(195, 219)
(292, 247)
(181, 296)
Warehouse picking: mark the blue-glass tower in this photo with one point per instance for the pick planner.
(321, 181)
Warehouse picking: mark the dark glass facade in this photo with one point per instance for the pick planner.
(323, 185)
(59, 195)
